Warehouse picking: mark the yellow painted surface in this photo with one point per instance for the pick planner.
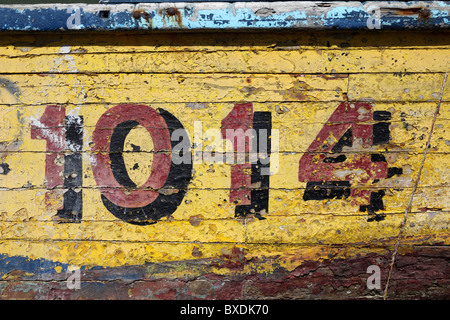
(299, 79)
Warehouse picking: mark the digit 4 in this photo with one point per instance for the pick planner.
(331, 173)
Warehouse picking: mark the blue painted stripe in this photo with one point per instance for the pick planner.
(39, 269)
(31, 266)
(335, 16)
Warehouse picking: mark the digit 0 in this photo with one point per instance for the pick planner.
(141, 205)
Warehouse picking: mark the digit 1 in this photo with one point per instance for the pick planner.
(62, 133)
(249, 188)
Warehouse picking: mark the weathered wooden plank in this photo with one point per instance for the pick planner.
(312, 229)
(250, 273)
(213, 204)
(308, 229)
(30, 44)
(292, 137)
(246, 258)
(194, 88)
(211, 114)
(222, 231)
(293, 61)
(397, 87)
(211, 174)
(226, 16)
(113, 253)
(149, 88)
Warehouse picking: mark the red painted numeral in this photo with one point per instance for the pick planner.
(328, 171)
(144, 204)
(50, 127)
(249, 132)
(108, 137)
(235, 126)
(64, 170)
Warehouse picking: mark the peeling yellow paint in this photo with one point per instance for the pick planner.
(300, 82)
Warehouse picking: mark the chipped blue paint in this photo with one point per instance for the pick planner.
(233, 16)
(30, 266)
(43, 269)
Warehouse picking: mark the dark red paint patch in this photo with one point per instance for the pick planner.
(422, 273)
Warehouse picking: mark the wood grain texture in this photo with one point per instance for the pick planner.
(389, 85)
